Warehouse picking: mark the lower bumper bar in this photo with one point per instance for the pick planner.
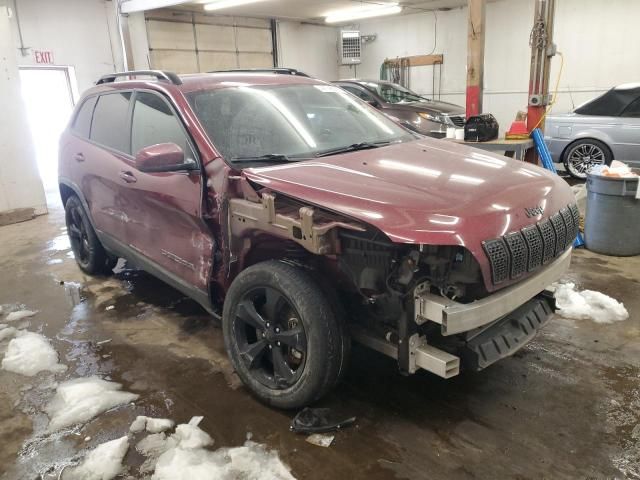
(462, 317)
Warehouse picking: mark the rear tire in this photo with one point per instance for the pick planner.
(282, 335)
(89, 253)
(582, 155)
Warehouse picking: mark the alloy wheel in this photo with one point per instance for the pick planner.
(582, 158)
(270, 337)
(78, 236)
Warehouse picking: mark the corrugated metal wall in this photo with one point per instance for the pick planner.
(187, 42)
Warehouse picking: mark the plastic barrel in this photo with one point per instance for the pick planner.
(612, 221)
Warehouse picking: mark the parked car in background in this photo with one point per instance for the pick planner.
(415, 112)
(304, 218)
(597, 132)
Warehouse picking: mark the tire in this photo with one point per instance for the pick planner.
(283, 336)
(582, 155)
(89, 253)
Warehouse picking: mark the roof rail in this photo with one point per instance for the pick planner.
(159, 74)
(278, 70)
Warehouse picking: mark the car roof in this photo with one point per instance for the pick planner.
(204, 81)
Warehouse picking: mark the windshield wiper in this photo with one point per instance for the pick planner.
(269, 157)
(352, 148)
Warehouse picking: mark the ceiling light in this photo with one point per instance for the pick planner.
(360, 13)
(228, 4)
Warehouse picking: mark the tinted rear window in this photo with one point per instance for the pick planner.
(110, 125)
(82, 123)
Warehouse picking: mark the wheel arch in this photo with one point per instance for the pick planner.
(604, 139)
(68, 188)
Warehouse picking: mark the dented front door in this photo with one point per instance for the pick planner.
(165, 217)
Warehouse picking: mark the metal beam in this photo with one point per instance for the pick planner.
(129, 6)
(475, 56)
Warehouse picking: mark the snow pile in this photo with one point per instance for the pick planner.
(7, 332)
(151, 425)
(588, 305)
(81, 399)
(183, 456)
(30, 353)
(102, 463)
(19, 315)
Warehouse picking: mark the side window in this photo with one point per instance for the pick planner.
(154, 122)
(110, 121)
(633, 110)
(82, 122)
(359, 93)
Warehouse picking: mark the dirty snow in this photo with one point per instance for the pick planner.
(19, 315)
(7, 332)
(102, 463)
(587, 305)
(30, 353)
(151, 425)
(81, 399)
(320, 439)
(183, 456)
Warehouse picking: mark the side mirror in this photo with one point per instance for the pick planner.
(163, 157)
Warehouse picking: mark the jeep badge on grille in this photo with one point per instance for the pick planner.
(533, 211)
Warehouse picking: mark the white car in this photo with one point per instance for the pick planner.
(599, 131)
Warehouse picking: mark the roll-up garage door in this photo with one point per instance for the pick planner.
(187, 42)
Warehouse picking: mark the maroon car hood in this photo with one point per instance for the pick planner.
(427, 191)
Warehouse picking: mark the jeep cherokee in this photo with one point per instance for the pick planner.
(303, 218)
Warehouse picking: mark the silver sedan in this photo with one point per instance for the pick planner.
(599, 131)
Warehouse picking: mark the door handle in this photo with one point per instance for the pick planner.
(128, 177)
(79, 157)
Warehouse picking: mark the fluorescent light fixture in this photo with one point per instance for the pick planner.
(364, 12)
(220, 4)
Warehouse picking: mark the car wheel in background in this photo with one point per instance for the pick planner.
(283, 335)
(87, 249)
(582, 155)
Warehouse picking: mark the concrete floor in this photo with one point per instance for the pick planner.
(566, 406)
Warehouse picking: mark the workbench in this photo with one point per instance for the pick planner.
(511, 148)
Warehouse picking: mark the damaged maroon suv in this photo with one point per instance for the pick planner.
(305, 219)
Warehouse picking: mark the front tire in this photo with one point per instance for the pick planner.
(282, 335)
(87, 249)
(581, 156)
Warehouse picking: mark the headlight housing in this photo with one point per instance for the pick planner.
(432, 117)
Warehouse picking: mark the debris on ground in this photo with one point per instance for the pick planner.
(81, 399)
(151, 425)
(321, 440)
(587, 305)
(102, 342)
(110, 307)
(318, 420)
(30, 353)
(102, 463)
(19, 315)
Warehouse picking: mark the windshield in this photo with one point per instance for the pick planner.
(394, 93)
(289, 121)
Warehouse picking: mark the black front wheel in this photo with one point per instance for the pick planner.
(282, 334)
(87, 249)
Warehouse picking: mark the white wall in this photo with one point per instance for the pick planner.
(310, 48)
(80, 33)
(20, 185)
(599, 40)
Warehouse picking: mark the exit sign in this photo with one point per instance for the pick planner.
(43, 56)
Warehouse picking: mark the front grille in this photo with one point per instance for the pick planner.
(457, 120)
(518, 252)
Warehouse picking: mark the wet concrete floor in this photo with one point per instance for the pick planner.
(566, 406)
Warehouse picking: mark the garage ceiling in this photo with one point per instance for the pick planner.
(315, 10)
